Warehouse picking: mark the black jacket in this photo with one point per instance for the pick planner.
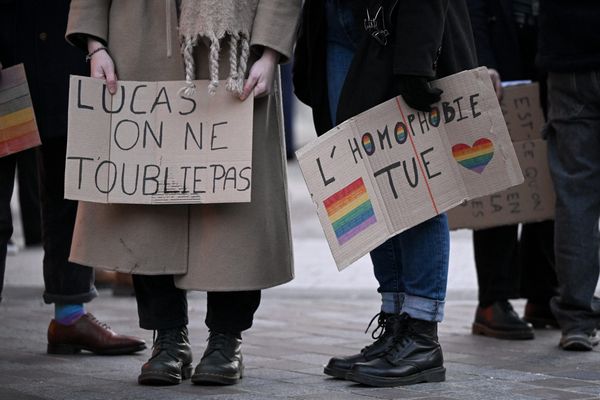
(496, 37)
(569, 35)
(33, 32)
(430, 38)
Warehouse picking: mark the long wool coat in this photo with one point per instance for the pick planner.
(220, 247)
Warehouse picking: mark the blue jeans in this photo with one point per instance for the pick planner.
(573, 134)
(412, 267)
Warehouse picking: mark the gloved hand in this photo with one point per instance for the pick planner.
(416, 91)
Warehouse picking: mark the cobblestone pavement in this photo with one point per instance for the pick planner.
(321, 313)
(295, 332)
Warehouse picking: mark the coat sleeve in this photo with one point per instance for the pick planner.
(275, 25)
(88, 18)
(418, 35)
(480, 15)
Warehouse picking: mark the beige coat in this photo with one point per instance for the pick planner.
(219, 247)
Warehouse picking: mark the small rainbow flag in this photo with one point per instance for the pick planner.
(18, 129)
(350, 211)
(475, 157)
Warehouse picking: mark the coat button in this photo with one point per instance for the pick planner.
(43, 36)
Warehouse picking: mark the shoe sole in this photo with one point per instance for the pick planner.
(337, 373)
(431, 375)
(204, 379)
(165, 379)
(577, 344)
(542, 323)
(66, 349)
(480, 329)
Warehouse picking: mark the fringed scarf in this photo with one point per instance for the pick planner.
(217, 20)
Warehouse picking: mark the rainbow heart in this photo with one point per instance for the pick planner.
(475, 157)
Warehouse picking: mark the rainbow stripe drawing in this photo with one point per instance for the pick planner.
(350, 211)
(475, 157)
(18, 129)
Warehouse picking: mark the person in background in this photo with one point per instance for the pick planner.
(569, 50)
(32, 32)
(510, 266)
(351, 56)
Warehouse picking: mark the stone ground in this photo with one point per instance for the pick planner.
(300, 325)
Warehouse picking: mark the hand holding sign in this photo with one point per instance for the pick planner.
(261, 75)
(102, 65)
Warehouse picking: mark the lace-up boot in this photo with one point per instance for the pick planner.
(222, 362)
(171, 360)
(388, 325)
(414, 357)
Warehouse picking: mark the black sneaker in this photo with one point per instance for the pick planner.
(387, 326)
(171, 360)
(578, 341)
(499, 320)
(222, 362)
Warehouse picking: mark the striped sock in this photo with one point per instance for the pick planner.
(68, 314)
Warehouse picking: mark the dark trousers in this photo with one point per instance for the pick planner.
(7, 181)
(65, 282)
(510, 267)
(29, 198)
(161, 305)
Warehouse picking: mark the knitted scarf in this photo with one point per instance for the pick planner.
(216, 20)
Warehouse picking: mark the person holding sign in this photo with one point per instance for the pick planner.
(367, 55)
(230, 250)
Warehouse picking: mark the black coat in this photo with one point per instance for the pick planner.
(496, 37)
(33, 32)
(569, 35)
(430, 38)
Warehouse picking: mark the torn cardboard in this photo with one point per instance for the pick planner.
(392, 167)
(147, 144)
(533, 200)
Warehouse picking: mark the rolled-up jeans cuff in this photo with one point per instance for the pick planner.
(79, 298)
(391, 302)
(423, 308)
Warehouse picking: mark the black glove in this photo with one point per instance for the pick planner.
(416, 92)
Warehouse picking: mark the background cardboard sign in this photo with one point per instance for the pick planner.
(534, 199)
(392, 167)
(18, 128)
(147, 144)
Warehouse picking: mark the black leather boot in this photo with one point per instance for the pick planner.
(387, 326)
(415, 357)
(222, 362)
(499, 320)
(171, 360)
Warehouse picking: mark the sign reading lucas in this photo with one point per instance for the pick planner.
(392, 167)
(147, 144)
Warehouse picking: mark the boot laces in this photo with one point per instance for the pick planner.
(380, 328)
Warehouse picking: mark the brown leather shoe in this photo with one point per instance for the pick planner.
(499, 320)
(92, 335)
(540, 315)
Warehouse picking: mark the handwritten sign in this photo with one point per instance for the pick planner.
(147, 144)
(18, 128)
(534, 199)
(392, 167)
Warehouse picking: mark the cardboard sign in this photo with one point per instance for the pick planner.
(531, 201)
(392, 167)
(147, 144)
(18, 129)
